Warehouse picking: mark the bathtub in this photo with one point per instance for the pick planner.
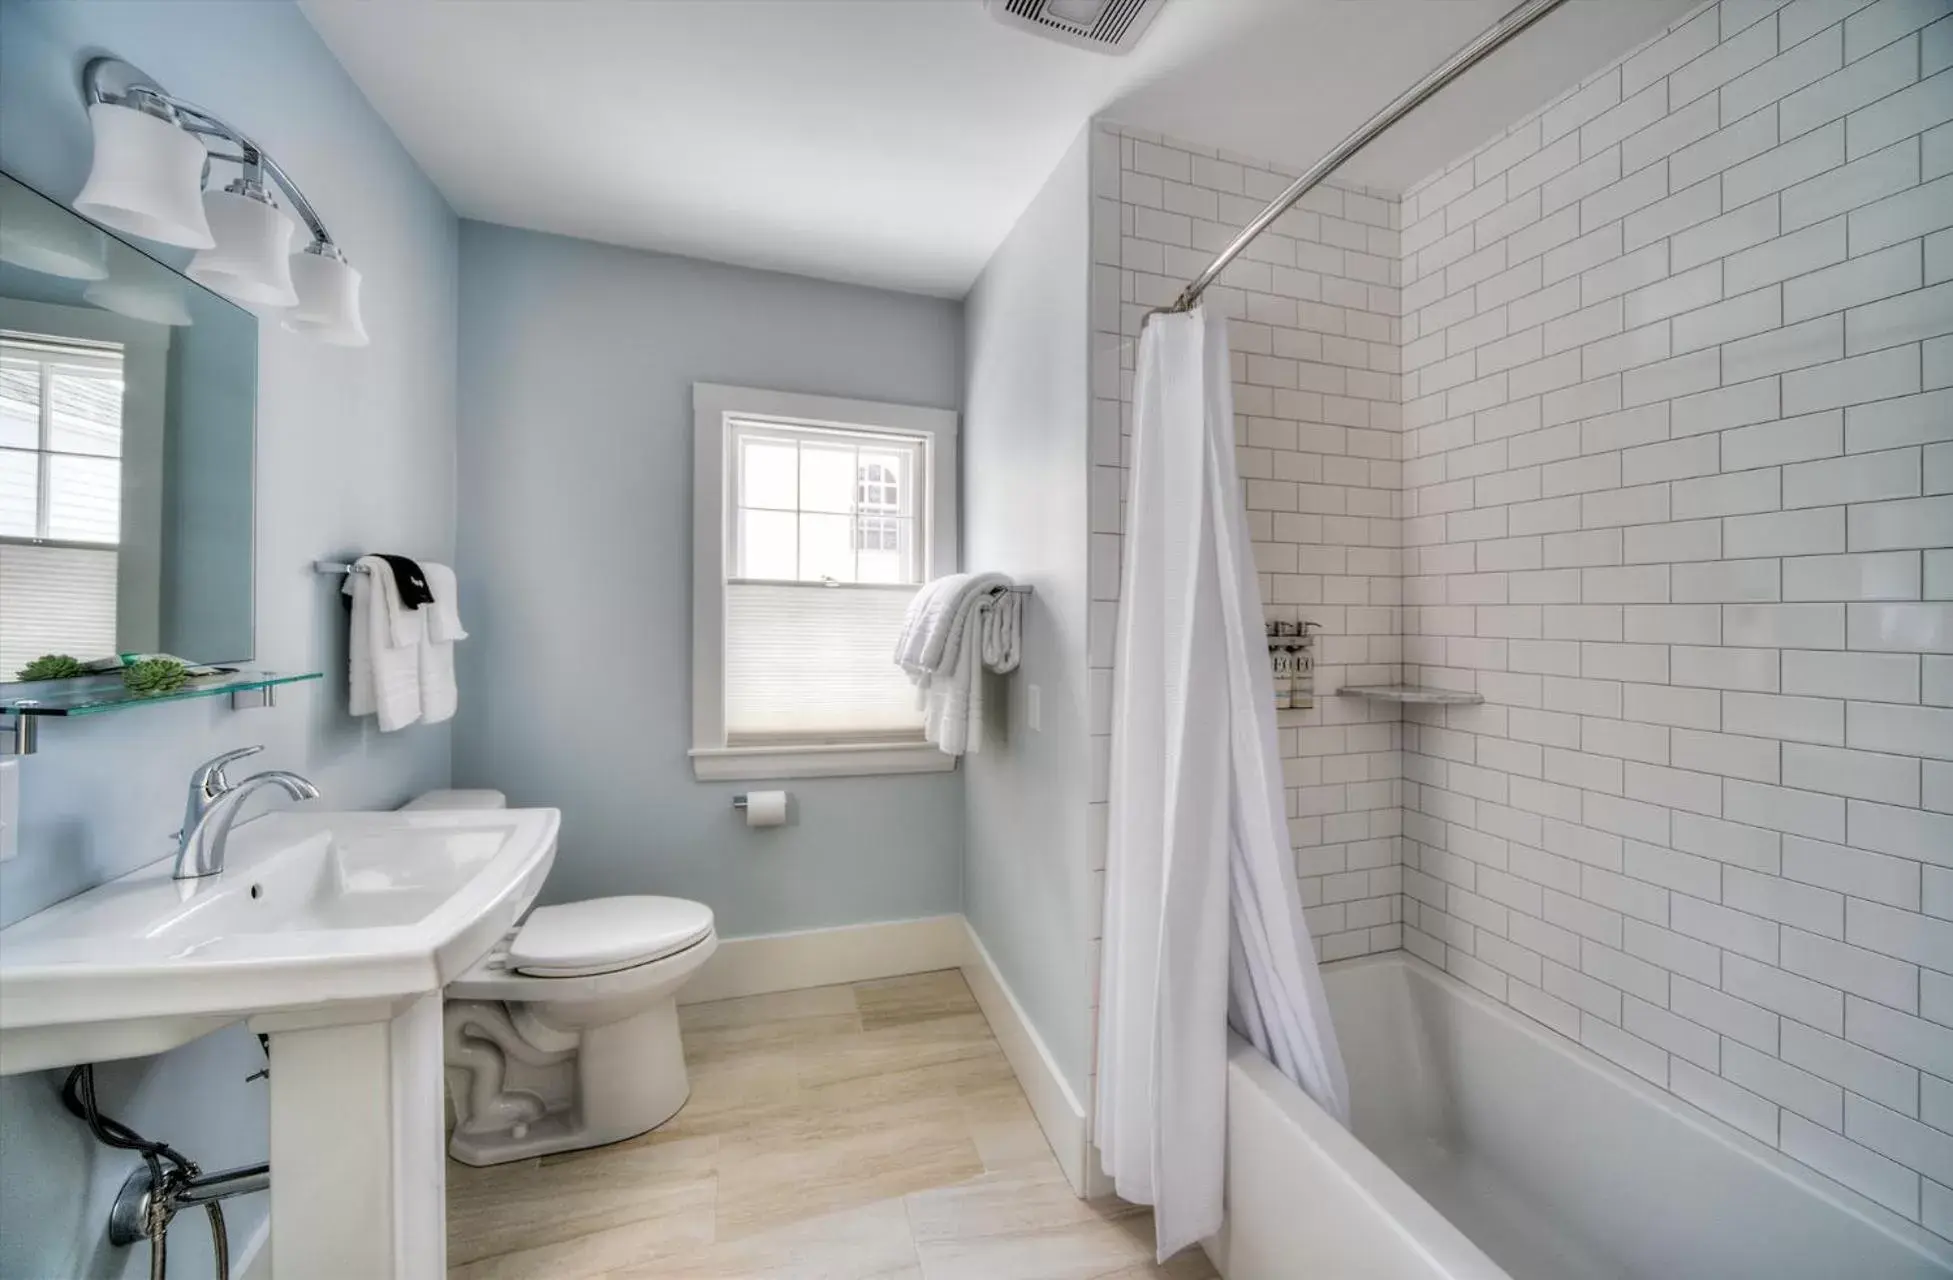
(1488, 1148)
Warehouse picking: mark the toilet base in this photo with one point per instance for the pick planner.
(621, 1080)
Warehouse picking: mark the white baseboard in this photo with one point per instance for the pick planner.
(252, 1260)
(1056, 1107)
(823, 957)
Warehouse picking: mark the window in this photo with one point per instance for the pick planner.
(816, 521)
(60, 497)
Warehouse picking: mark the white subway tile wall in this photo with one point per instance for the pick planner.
(1313, 325)
(1677, 457)
(1635, 421)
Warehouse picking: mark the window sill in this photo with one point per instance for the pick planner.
(727, 764)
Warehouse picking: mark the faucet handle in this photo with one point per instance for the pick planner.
(209, 778)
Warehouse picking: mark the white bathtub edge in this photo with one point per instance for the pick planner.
(1440, 1250)
(1774, 1161)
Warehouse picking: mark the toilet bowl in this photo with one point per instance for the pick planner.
(565, 1035)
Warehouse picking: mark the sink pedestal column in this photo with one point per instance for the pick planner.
(358, 1175)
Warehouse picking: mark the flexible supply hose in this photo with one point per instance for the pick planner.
(78, 1095)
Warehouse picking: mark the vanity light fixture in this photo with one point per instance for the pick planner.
(147, 178)
(250, 260)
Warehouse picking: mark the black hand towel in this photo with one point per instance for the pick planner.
(408, 580)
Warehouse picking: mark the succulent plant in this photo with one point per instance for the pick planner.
(154, 675)
(51, 666)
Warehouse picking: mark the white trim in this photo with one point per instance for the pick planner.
(823, 957)
(723, 764)
(253, 1261)
(1056, 1107)
(711, 404)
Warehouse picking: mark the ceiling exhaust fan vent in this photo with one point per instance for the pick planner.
(1103, 26)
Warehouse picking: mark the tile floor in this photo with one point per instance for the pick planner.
(841, 1133)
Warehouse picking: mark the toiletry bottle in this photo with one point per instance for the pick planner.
(1301, 669)
(1278, 662)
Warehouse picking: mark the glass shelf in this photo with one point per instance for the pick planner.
(1412, 693)
(93, 695)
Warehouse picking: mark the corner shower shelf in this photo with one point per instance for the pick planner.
(88, 696)
(1412, 693)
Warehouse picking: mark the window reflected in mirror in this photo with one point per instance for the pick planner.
(127, 421)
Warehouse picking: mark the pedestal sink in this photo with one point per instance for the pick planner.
(333, 934)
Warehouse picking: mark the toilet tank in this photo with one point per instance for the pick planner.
(458, 800)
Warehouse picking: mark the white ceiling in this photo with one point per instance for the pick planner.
(895, 142)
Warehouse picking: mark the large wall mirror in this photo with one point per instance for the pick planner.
(128, 402)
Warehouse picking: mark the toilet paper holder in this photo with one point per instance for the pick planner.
(762, 808)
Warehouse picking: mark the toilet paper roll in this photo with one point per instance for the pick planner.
(766, 808)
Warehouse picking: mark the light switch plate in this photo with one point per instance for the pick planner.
(1034, 707)
(9, 807)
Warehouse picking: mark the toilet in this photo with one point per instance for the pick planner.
(565, 1035)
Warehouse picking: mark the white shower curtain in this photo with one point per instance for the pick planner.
(1203, 924)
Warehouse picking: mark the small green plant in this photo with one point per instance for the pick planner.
(51, 666)
(154, 675)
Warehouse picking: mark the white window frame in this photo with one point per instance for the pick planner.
(712, 405)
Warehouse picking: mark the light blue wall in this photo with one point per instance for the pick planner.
(1028, 889)
(577, 362)
(355, 450)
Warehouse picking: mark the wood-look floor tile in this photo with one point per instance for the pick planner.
(1003, 1127)
(780, 1012)
(825, 1161)
(1022, 1199)
(672, 1230)
(833, 1084)
(902, 1047)
(1024, 1223)
(869, 1243)
(734, 1094)
(1075, 1251)
(532, 1203)
(918, 997)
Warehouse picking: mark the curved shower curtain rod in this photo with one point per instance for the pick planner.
(1438, 77)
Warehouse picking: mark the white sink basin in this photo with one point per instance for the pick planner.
(313, 909)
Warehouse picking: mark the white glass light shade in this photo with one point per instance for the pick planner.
(43, 237)
(251, 260)
(149, 300)
(146, 178)
(328, 300)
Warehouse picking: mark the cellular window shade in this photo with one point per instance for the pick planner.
(55, 600)
(812, 663)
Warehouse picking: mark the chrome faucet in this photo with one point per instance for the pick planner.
(212, 807)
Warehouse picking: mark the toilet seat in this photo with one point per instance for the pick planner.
(605, 935)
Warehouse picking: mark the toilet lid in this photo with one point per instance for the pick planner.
(603, 935)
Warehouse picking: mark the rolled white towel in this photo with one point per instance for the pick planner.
(1003, 632)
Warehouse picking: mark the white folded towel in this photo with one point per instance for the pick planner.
(444, 623)
(932, 616)
(953, 711)
(950, 620)
(383, 678)
(956, 627)
(438, 695)
(406, 626)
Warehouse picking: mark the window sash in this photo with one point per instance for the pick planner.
(63, 510)
(908, 458)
